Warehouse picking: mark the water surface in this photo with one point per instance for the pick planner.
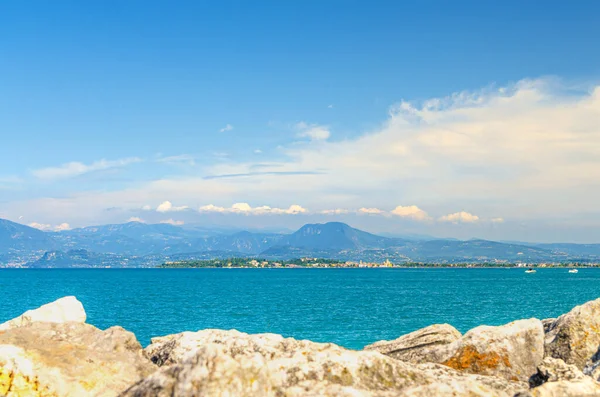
(350, 307)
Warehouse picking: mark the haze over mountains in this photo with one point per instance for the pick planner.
(137, 244)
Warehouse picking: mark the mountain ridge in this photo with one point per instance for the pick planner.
(139, 243)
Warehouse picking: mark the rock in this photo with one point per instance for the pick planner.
(575, 337)
(512, 351)
(214, 362)
(593, 370)
(208, 371)
(586, 387)
(69, 359)
(67, 309)
(420, 346)
(547, 323)
(554, 370)
(172, 349)
(448, 375)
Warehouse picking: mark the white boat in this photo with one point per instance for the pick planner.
(573, 271)
(530, 271)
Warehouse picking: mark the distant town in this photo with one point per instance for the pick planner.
(332, 263)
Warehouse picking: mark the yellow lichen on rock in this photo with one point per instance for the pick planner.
(468, 358)
(15, 384)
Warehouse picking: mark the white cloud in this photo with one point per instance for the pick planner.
(212, 208)
(75, 168)
(292, 210)
(497, 220)
(459, 217)
(410, 211)
(245, 208)
(136, 219)
(257, 151)
(337, 211)
(47, 227)
(330, 106)
(371, 211)
(167, 206)
(314, 132)
(62, 226)
(228, 127)
(40, 226)
(146, 208)
(241, 208)
(173, 222)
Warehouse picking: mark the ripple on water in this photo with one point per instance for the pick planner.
(351, 307)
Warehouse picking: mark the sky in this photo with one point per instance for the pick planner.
(452, 119)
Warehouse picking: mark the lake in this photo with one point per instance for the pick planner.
(350, 307)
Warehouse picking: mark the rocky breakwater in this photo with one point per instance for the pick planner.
(556, 357)
(51, 351)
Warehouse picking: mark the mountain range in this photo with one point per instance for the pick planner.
(136, 244)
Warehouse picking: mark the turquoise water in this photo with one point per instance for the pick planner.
(350, 307)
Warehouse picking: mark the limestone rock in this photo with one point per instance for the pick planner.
(448, 375)
(555, 370)
(69, 359)
(512, 351)
(67, 309)
(586, 387)
(207, 371)
(593, 370)
(547, 323)
(214, 362)
(420, 346)
(172, 349)
(575, 337)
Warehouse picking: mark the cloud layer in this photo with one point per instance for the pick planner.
(527, 152)
(75, 168)
(246, 209)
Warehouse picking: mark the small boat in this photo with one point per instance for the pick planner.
(573, 271)
(530, 270)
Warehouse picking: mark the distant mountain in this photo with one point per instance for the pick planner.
(334, 236)
(20, 243)
(245, 242)
(84, 258)
(138, 244)
(569, 249)
(14, 236)
(479, 250)
(133, 238)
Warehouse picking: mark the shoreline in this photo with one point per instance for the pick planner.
(305, 268)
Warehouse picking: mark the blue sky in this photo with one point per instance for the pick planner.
(457, 119)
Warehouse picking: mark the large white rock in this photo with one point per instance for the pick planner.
(67, 309)
(231, 363)
(575, 337)
(421, 346)
(555, 370)
(512, 351)
(586, 387)
(71, 359)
